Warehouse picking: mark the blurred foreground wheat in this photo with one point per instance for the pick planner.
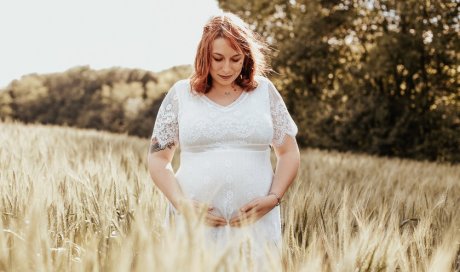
(75, 200)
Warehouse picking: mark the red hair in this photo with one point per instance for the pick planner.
(241, 37)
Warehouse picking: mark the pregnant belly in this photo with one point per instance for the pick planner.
(225, 179)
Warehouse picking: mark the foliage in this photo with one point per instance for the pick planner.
(378, 76)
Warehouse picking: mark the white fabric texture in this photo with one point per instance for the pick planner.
(225, 152)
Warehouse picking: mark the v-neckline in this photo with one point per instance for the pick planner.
(226, 107)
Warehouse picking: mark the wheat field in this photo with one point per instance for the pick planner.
(82, 200)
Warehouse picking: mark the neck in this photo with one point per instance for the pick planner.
(233, 88)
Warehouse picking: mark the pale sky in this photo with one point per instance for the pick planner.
(43, 36)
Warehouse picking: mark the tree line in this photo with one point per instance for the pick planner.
(117, 99)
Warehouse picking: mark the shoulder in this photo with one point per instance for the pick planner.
(181, 85)
(266, 85)
(263, 81)
(179, 89)
(263, 85)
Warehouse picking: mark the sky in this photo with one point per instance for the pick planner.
(50, 36)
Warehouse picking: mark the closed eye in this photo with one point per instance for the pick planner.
(234, 60)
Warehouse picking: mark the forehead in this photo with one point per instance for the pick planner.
(224, 47)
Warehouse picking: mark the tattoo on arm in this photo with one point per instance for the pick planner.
(155, 146)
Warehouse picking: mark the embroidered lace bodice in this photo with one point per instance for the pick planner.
(193, 120)
(225, 154)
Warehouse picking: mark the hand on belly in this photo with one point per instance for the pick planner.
(202, 209)
(253, 211)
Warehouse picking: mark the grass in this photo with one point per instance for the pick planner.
(82, 200)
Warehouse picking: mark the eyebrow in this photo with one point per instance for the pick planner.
(223, 55)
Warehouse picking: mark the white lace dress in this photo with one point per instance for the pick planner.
(225, 152)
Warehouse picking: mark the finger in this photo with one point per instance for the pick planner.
(244, 219)
(248, 207)
(238, 220)
(245, 208)
(235, 219)
(251, 215)
(242, 215)
(216, 219)
(237, 216)
(214, 223)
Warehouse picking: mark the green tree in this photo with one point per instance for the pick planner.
(370, 76)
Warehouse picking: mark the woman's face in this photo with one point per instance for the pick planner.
(226, 63)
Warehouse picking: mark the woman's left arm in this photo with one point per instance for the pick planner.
(287, 166)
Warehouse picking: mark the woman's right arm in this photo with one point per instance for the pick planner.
(162, 173)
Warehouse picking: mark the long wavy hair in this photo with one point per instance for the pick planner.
(241, 37)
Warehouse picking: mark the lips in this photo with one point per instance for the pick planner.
(225, 77)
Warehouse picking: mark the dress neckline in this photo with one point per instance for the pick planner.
(227, 107)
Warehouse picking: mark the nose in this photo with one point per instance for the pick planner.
(226, 66)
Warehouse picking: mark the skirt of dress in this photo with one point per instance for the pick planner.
(228, 179)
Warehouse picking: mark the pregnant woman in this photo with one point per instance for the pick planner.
(224, 118)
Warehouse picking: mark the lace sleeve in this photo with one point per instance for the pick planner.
(166, 129)
(282, 121)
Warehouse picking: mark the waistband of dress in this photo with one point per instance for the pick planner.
(227, 147)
